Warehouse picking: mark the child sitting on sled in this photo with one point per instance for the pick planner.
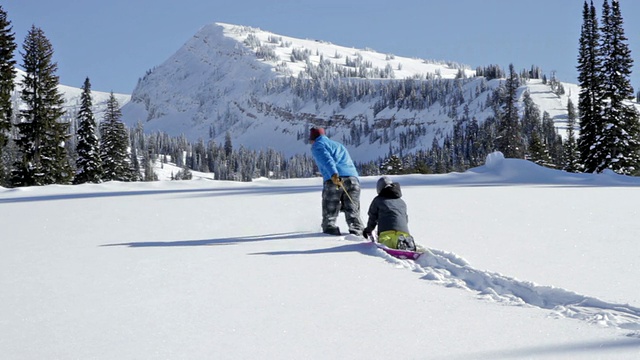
(389, 213)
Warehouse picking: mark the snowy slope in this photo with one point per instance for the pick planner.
(71, 96)
(526, 262)
(227, 78)
(284, 46)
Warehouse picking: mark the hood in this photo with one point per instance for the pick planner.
(392, 191)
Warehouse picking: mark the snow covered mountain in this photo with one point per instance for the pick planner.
(71, 97)
(266, 90)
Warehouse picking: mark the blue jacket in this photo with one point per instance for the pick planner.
(332, 158)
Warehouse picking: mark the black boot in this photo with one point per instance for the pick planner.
(332, 230)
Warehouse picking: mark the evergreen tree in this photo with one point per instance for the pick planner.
(538, 152)
(88, 163)
(42, 137)
(530, 118)
(228, 147)
(148, 161)
(551, 139)
(391, 166)
(510, 132)
(571, 153)
(590, 98)
(7, 75)
(474, 152)
(114, 143)
(184, 174)
(620, 137)
(134, 167)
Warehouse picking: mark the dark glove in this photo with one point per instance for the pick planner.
(366, 233)
(336, 180)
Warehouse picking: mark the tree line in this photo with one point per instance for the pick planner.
(38, 148)
(607, 121)
(609, 128)
(35, 148)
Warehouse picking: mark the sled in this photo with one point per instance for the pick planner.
(398, 253)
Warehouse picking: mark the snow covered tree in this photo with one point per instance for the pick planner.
(391, 166)
(41, 139)
(530, 118)
(551, 139)
(88, 163)
(590, 98)
(7, 75)
(184, 174)
(620, 136)
(134, 166)
(114, 144)
(228, 146)
(148, 160)
(571, 153)
(510, 132)
(538, 152)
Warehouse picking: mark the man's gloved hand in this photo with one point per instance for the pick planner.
(336, 180)
(366, 233)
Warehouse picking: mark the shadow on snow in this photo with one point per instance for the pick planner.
(553, 350)
(221, 241)
(226, 191)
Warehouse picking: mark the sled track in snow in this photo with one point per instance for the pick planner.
(452, 271)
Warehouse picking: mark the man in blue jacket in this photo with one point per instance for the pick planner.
(341, 190)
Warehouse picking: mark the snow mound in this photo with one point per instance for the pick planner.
(494, 160)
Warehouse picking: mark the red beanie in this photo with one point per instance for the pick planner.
(315, 133)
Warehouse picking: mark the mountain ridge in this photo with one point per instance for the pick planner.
(250, 83)
(265, 90)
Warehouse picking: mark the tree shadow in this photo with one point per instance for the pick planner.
(221, 191)
(220, 241)
(554, 351)
(361, 248)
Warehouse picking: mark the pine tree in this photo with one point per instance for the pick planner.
(538, 152)
(551, 139)
(620, 137)
(88, 163)
(41, 140)
(228, 146)
(571, 153)
(134, 166)
(114, 144)
(474, 151)
(7, 75)
(148, 161)
(391, 166)
(530, 118)
(590, 98)
(510, 132)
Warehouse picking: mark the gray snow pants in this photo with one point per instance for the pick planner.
(335, 200)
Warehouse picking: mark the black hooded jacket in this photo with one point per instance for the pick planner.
(388, 211)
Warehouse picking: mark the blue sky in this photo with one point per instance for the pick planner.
(115, 42)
